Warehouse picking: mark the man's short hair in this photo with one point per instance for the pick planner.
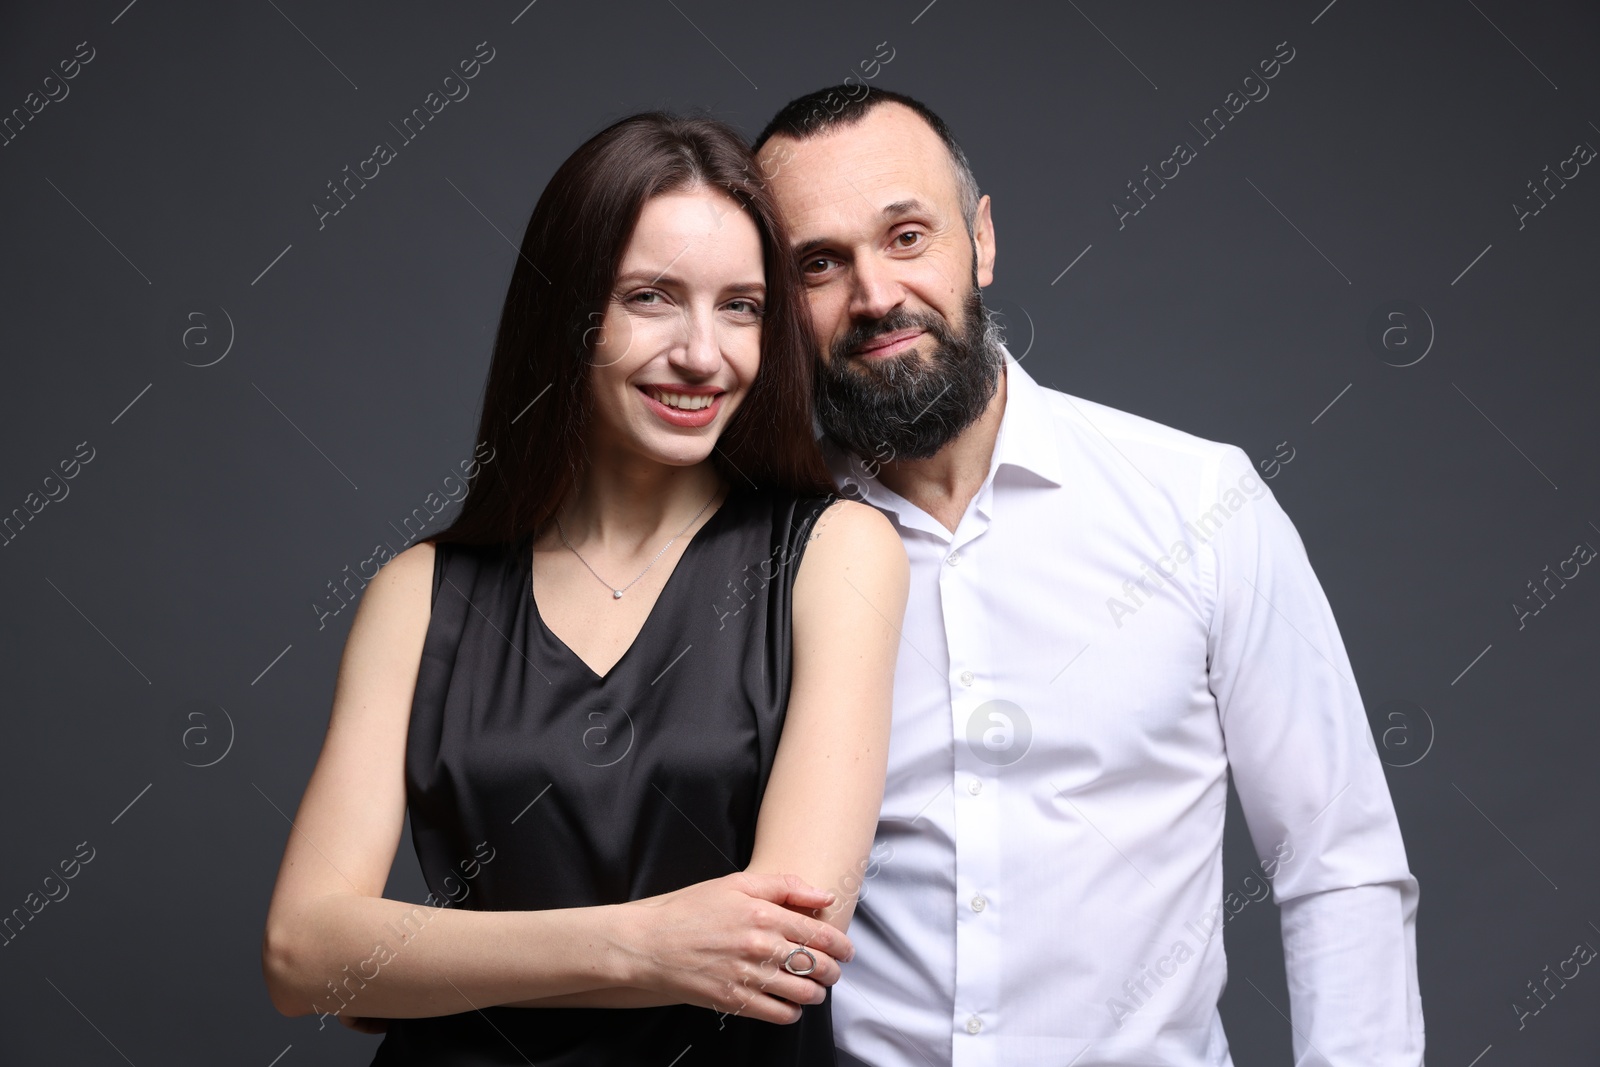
(818, 112)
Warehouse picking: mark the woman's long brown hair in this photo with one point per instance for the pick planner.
(538, 400)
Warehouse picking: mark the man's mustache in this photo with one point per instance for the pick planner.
(866, 331)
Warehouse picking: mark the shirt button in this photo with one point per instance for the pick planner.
(979, 902)
(954, 557)
(967, 677)
(974, 1024)
(975, 786)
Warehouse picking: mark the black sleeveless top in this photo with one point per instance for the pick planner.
(532, 782)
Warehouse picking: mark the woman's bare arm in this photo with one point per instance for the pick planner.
(333, 943)
(331, 936)
(820, 811)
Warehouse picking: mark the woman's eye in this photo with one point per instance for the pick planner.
(745, 307)
(646, 296)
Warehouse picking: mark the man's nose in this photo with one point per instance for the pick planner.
(876, 291)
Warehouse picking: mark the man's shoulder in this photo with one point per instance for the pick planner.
(1180, 463)
(1083, 414)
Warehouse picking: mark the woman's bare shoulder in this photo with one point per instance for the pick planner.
(411, 564)
(398, 599)
(849, 540)
(850, 522)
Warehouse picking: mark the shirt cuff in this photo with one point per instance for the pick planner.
(1351, 962)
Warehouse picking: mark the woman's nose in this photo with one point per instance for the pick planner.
(699, 351)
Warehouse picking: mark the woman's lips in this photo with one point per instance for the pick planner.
(678, 416)
(888, 344)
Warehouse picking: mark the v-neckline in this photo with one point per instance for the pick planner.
(666, 586)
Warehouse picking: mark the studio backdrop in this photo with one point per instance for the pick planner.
(255, 254)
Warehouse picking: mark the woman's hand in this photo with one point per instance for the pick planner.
(721, 944)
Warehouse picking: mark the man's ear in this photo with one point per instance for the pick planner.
(983, 242)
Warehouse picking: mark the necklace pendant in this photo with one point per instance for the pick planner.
(616, 594)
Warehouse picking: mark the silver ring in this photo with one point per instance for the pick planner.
(788, 962)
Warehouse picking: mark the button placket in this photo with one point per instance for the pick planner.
(978, 832)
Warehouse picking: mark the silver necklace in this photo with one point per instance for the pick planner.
(616, 594)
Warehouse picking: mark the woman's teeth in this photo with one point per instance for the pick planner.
(683, 401)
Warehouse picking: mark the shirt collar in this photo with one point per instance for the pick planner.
(1026, 441)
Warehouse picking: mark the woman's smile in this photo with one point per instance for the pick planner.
(691, 406)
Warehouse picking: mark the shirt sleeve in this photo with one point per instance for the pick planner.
(1311, 785)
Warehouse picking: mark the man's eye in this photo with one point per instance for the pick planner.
(900, 238)
(815, 265)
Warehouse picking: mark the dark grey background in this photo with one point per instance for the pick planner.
(161, 615)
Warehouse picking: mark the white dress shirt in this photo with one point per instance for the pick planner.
(1123, 615)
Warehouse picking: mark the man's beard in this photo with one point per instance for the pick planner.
(909, 406)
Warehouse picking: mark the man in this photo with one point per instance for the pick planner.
(1107, 615)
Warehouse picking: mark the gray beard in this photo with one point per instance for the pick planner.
(909, 406)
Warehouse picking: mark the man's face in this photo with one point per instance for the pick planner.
(893, 281)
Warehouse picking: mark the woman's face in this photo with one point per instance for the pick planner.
(680, 339)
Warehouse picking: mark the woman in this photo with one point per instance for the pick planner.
(637, 695)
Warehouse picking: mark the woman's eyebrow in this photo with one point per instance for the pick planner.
(647, 277)
(672, 281)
